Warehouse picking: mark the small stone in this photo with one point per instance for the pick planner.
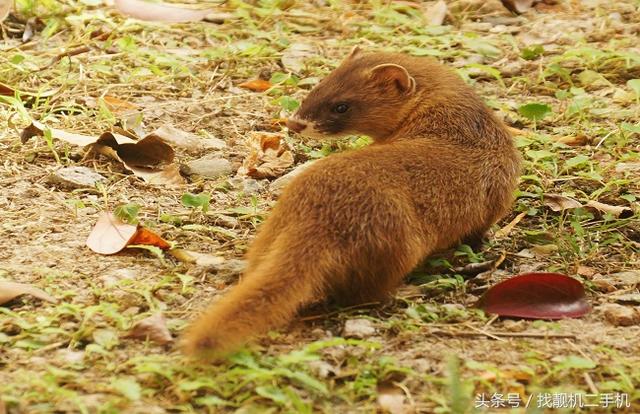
(75, 177)
(358, 328)
(210, 167)
(619, 315)
(246, 185)
(514, 326)
(278, 185)
(628, 298)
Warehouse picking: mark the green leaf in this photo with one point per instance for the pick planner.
(630, 127)
(288, 103)
(575, 362)
(128, 213)
(577, 160)
(531, 53)
(534, 111)
(539, 155)
(201, 200)
(273, 393)
(128, 387)
(635, 85)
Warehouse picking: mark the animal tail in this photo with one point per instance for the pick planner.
(268, 296)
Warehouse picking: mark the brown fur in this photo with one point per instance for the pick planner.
(442, 169)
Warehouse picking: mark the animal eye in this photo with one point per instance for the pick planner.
(341, 108)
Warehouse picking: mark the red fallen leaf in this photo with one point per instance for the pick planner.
(256, 85)
(149, 238)
(536, 296)
(110, 235)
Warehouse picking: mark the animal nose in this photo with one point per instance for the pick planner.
(296, 125)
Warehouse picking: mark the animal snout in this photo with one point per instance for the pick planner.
(296, 125)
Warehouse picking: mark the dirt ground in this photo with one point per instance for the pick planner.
(429, 351)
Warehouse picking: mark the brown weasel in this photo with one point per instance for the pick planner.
(442, 168)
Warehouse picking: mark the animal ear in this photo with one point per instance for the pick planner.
(355, 52)
(396, 74)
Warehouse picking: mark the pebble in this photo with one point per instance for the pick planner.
(619, 315)
(210, 167)
(358, 328)
(75, 177)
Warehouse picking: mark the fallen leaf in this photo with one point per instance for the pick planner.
(110, 235)
(518, 6)
(153, 328)
(536, 296)
(269, 156)
(11, 290)
(503, 232)
(436, 13)
(574, 140)
(616, 211)
(118, 105)
(5, 8)
(625, 278)
(200, 259)
(37, 129)
(162, 12)
(558, 202)
(256, 85)
(294, 56)
(149, 158)
(149, 238)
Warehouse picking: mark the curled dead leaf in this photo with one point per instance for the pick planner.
(11, 290)
(153, 328)
(558, 202)
(269, 156)
(161, 12)
(256, 85)
(616, 211)
(149, 158)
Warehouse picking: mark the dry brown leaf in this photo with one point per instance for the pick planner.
(436, 13)
(256, 85)
(558, 202)
(110, 235)
(149, 238)
(518, 6)
(616, 211)
(149, 158)
(37, 129)
(118, 105)
(200, 259)
(5, 8)
(269, 156)
(11, 290)
(574, 140)
(161, 12)
(153, 328)
(509, 227)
